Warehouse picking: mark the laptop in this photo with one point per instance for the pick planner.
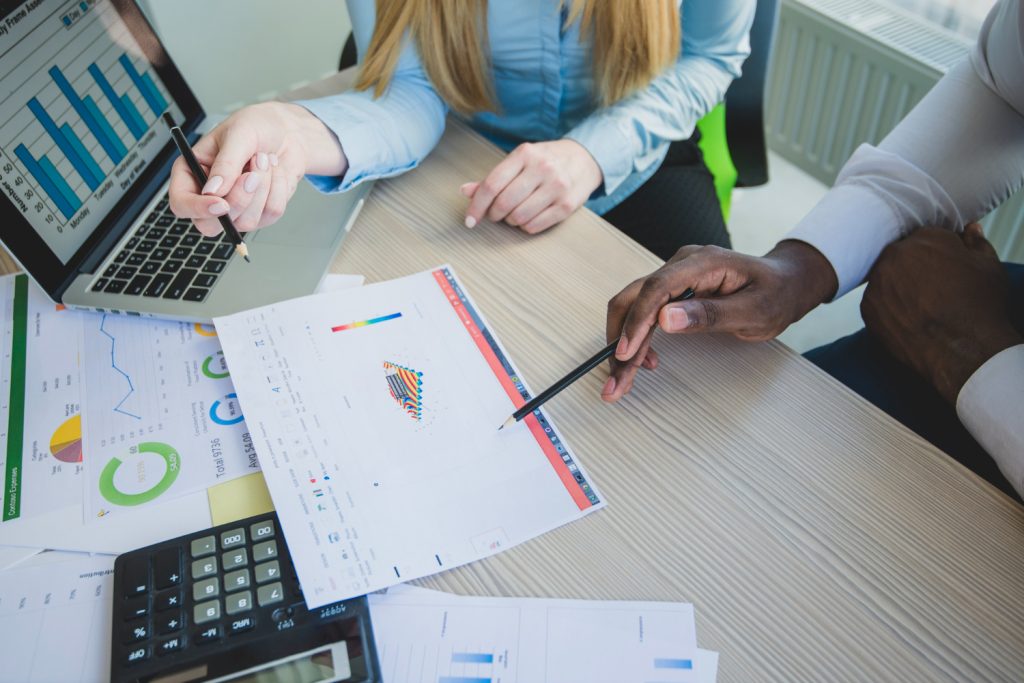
(84, 166)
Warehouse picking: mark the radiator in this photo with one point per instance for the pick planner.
(845, 72)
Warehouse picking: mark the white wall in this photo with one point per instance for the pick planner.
(234, 52)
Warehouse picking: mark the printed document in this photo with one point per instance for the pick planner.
(425, 636)
(375, 415)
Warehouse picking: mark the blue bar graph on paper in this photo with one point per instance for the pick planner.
(462, 679)
(145, 84)
(471, 658)
(673, 663)
(123, 104)
(115, 148)
(80, 164)
(94, 124)
(52, 183)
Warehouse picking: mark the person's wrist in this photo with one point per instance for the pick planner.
(320, 146)
(591, 175)
(959, 360)
(810, 278)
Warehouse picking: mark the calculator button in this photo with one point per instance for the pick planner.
(136, 577)
(262, 530)
(207, 635)
(264, 551)
(268, 571)
(238, 602)
(269, 594)
(136, 631)
(168, 600)
(204, 546)
(205, 589)
(207, 611)
(169, 646)
(204, 568)
(170, 623)
(240, 625)
(136, 656)
(236, 580)
(136, 608)
(234, 559)
(232, 539)
(167, 568)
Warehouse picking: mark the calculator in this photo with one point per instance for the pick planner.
(225, 605)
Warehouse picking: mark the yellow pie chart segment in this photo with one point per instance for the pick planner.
(66, 443)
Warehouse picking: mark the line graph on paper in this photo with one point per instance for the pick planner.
(119, 408)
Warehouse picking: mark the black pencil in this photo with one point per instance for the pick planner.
(587, 365)
(193, 164)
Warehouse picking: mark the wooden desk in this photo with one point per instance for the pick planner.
(819, 539)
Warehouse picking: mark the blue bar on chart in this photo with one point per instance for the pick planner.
(117, 149)
(471, 658)
(51, 181)
(81, 151)
(98, 126)
(673, 663)
(462, 679)
(83, 166)
(146, 86)
(122, 104)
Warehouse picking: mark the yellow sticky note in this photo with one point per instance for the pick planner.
(239, 498)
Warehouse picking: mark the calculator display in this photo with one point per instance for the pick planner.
(322, 665)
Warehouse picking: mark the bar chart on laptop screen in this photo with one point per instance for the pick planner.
(77, 119)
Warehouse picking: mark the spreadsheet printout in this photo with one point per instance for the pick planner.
(374, 414)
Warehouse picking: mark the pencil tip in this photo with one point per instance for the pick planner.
(507, 423)
(247, 259)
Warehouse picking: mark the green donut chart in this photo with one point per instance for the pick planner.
(109, 490)
(211, 373)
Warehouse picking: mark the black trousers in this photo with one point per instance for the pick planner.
(676, 206)
(862, 363)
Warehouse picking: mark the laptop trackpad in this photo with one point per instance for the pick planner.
(312, 219)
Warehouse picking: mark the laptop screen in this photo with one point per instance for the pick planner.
(80, 106)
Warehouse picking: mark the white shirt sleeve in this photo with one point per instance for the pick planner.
(990, 406)
(956, 156)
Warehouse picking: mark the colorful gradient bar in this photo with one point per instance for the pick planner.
(462, 679)
(471, 658)
(365, 323)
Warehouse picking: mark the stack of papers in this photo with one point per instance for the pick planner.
(425, 636)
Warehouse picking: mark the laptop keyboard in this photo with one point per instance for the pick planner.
(166, 258)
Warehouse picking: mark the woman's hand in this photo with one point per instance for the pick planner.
(753, 298)
(536, 186)
(254, 160)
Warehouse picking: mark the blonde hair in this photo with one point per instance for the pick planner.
(633, 41)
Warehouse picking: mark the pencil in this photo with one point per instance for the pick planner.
(587, 365)
(193, 164)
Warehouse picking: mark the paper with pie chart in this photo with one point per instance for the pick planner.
(375, 413)
(160, 413)
(40, 425)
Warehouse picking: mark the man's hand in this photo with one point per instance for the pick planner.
(938, 301)
(535, 187)
(752, 298)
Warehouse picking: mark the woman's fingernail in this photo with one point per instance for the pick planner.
(262, 161)
(676, 319)
(623, 346)
(470, 222)
(274, 161)
(252, 182)
(213, 184)
(609, 387)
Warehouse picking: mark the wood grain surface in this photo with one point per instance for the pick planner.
(819, 539)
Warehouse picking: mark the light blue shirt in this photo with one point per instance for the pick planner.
(543, 78)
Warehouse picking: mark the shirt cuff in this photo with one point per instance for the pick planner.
(850, 226)
(360, 141)
(990, 407)
(611, 148)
